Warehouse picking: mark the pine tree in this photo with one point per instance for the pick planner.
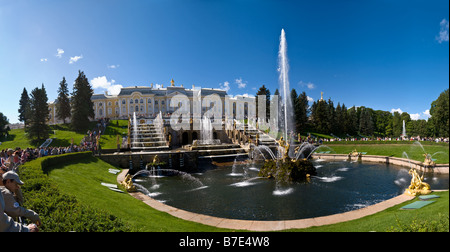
(63, 103)
(319, 113)
(302, 112)
(24, 107)
(3, 125)
(264, 91)
(82, 105)
(295, 107)
(352, 121)
(331, 122)
(339, 119)
(38, 129)
(365, 122)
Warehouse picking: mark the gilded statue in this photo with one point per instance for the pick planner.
(156, 159)
(428, 161)
(286, 147)
(128, 184)
(417, 187)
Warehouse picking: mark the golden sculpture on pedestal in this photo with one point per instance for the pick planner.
(428, 161)
(128, 184)
(285, 146)
(417, 187)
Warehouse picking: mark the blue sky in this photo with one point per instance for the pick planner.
(387, 55)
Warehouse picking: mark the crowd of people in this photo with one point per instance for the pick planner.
(12, 212)
(11, 198)
(352, 139)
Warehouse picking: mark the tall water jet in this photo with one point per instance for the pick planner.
(135, 128)
(404, 130)
(285, 111)
(206, 135)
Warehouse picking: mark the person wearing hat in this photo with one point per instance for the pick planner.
(11, 183)
(9, 163)
(7, 224)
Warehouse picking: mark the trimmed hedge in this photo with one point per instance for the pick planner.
(60, 212)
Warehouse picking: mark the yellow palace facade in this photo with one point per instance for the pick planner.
(148, 101)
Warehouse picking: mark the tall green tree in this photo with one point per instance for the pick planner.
(365, 122)
(440, 115)
(302, 112)
(38, 129)
(82, 105)
(264, 91)
(352, 121)
(3, 125)
(24, 107)
(295, 107)
(63, 102)
(319, 114)
(397, 124)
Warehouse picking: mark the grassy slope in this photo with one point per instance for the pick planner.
(83, 179)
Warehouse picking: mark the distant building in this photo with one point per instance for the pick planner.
(150, 101)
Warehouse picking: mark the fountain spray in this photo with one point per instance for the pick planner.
(283, 68)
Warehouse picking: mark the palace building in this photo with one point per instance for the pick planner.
(148, 101)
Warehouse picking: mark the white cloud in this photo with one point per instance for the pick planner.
(102, 82)
(241, 84)
(113, 66)
(43, 59)
(75, 59)
(248, 95)
(309, 85)
(398, 110)
(415, 116)
(443, 33)
(310, 99)
(225, 86)
(59, 53)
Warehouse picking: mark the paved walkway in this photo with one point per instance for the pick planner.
(253, 225)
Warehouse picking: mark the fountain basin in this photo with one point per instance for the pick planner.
(237, 192)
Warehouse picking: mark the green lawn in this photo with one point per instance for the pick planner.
(114, 128)
(61, 133)
(413, 151)
(82, 179)
(395, 218)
